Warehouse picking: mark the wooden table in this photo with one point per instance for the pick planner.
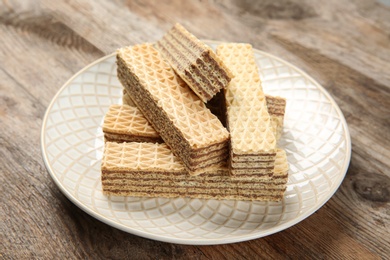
(344, 45)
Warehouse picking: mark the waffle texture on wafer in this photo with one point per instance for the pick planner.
(152, 170)
(253, 142)
(193, 133)
(127, 123)
(194, 62)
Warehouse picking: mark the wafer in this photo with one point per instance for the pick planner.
(194, 62)
(152, 170)
(193, 133)
(253, 143)
(124, 123)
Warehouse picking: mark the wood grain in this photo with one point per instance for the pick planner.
(344, 45)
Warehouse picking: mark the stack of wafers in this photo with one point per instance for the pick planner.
(164, 141)
(150, 169)
(183, 121)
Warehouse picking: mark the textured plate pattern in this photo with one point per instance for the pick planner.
(315, 137)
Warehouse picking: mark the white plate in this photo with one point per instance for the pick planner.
(315, 137)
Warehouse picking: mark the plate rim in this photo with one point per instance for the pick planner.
(191, 241)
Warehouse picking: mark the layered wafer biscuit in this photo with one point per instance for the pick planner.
(123, 123)
(194, 62)
(253, 142)
(193, 133)
(152, 170)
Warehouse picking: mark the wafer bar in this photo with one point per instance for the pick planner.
(194, 62)
(124, 123)
(152, 170)
(253, 143)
